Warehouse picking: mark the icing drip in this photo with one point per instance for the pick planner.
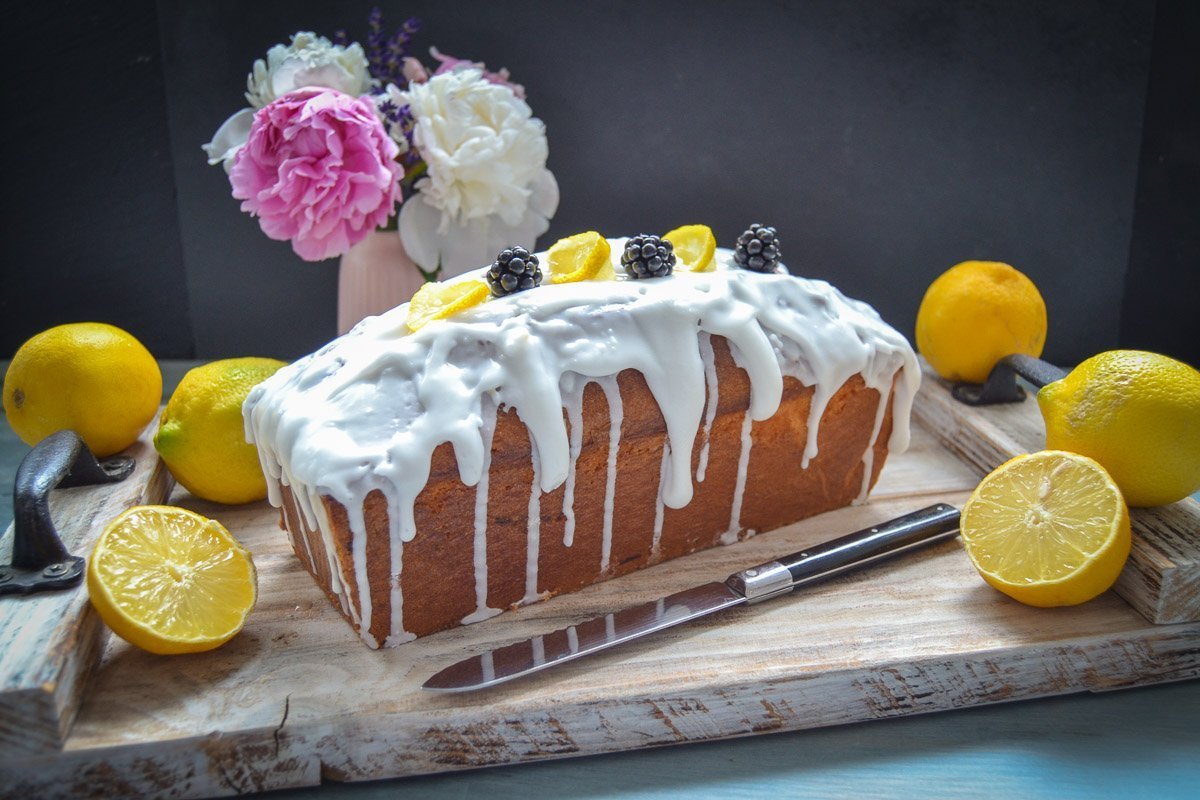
(488, 664)
(396, 633)
(533, 535)
(616, 416)
(572, 639)
(574, 404)
(659, 503)
(358, 560)
(289, 526)
(710, 410)
(739, 488)
(482, 611)
(367, 411)
(868, 459)
(332, 561)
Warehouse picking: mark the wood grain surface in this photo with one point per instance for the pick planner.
(1161, 578)
(296, 698)
(51, 642)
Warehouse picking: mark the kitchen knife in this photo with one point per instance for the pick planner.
(763, 582)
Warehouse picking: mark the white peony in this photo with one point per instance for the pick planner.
(487, 186)
(310, 60)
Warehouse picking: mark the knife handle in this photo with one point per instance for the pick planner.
(933, 524)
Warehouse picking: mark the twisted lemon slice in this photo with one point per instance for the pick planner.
(694, 248)
(582, 257)
(441, 300)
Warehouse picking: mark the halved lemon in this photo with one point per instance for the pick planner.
(582, 257)
(1048, 529)
(171, 581)
(694, 248)
(441, 300)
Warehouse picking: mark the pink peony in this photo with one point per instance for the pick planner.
(318, 169)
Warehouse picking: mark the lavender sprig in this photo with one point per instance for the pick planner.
(375, 43)
(397, 49)
(400, 123)
(386, 54)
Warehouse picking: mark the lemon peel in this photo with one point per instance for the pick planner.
(1138, 415)
(976, 313)
(437, 300)
(582, 257)
(695, 247)
(201, 435)
(95, 379)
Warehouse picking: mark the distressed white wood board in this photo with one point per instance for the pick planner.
(296, 698)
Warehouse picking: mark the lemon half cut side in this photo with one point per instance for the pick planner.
(171, 581)
(1048, 529)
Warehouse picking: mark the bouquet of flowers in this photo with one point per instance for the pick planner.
(338, 137)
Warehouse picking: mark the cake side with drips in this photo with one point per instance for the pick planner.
(369, 431)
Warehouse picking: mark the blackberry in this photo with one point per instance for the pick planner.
(757, 249)
(647, 256)
(514, 270)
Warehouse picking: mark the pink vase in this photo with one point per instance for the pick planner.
(375, 275)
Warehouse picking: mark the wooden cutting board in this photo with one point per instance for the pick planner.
(296, 698)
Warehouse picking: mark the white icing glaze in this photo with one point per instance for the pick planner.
(367, 411)
(868, 458)
(616, 416)
(660, 503)
(573, 398)
(710, 410)
(739, 487)
(533, 530)
(481, 611)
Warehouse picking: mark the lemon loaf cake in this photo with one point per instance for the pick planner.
(434, 473)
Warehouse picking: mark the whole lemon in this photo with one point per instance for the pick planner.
(976, 313)
(1136, 413)
(92, 378)
(201, 436)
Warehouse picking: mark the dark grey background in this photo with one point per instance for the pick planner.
(887, 141)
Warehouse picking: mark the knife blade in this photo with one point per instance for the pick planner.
(749, 586)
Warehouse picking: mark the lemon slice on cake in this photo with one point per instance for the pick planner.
(694, 246)
(582, 257)
(439, 300)
(171, 581)
(1048, 529)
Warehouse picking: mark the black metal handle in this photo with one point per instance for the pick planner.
(39, 560)
(1001, 385)
(918, 529)
(872, 544)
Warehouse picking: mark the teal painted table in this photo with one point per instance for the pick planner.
(1139, 743)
